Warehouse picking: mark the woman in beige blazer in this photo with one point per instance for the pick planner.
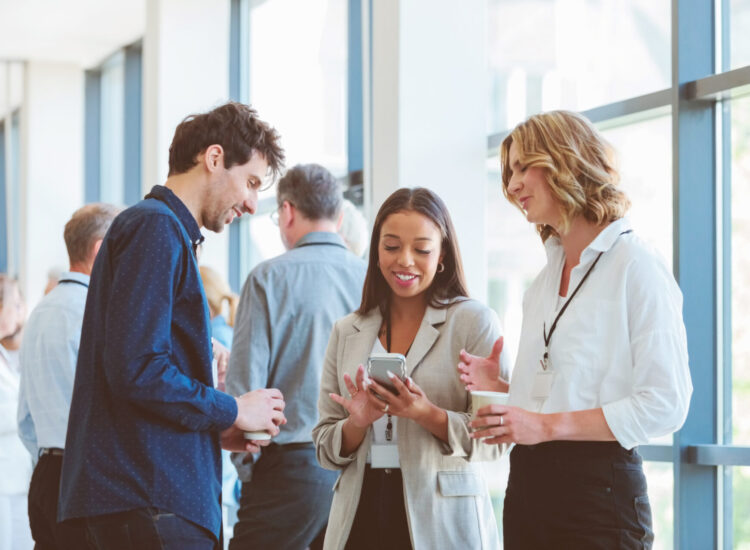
(409, 477)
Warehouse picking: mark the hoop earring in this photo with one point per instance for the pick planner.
(441, 267)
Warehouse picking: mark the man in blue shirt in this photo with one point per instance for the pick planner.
(48, 361)
(283, 323)
(142, 460)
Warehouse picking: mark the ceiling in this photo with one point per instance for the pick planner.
(82, 32)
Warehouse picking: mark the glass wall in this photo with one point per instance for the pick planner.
(573, 54)
(738, 18)
(684, 160)
(112, 130)
(740, 305)
(297, 78)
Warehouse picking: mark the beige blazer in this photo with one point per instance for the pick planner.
(446, 497)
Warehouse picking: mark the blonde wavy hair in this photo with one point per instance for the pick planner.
(217, 291)
(578, 163)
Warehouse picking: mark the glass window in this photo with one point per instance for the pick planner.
(112, 146)
(740, 270)
(660, 479)
(573, 54)
(298, 76)
(644, 151)
(741, 507)
(739, 40)
(515, 255)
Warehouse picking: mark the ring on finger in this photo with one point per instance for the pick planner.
(502, 421)
(385, 409)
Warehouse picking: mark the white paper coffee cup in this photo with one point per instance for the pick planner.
(257, 436)
(481, 399)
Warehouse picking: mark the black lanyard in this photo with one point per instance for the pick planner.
(72, 281)
(547, 337)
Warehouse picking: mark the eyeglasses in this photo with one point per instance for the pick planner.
(275, 215)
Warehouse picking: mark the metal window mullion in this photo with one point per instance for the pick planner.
(695, 257)
(718, 86)
(355, 106)
(92, 189)
(611, 111)
(238, 91)
(132, 124)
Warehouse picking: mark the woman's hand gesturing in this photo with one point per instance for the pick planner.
(482, 373)
(362, 410)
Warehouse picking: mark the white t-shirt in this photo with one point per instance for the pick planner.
(620, 345)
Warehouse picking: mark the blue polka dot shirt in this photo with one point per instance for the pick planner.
(145, 419)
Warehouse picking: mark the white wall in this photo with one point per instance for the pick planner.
(429, 112)
(52, 172)
(186, 70)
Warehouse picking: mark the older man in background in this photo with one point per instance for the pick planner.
(48, 361)
(287, 309)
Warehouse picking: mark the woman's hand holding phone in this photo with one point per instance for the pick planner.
(411, 402)
(362, 411)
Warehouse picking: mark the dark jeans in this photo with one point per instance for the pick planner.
(380, 523)
(148, 529)
(582, 495)
(286, 503)
(43, 493)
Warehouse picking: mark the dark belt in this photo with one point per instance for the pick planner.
(275, 447)
(54, 451)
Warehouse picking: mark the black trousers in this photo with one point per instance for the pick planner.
(380, 522)
(286, 503)
(43, 495)
(148, 529)
(581, 495)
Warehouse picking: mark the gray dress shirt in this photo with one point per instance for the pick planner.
(284, 320)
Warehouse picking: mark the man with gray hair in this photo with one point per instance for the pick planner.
(48, 360)
(284, 319)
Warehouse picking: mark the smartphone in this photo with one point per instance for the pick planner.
(379, 364)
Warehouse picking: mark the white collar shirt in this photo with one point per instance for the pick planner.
(49, 352)
(620, 345)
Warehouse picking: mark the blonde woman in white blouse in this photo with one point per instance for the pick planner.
(602, 364)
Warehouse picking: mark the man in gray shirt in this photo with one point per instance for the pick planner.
(284, 319)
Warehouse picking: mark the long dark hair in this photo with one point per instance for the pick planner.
(447, 284)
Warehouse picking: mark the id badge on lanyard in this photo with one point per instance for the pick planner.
(542, 386)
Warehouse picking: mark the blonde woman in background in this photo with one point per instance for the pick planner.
(353, 228)
(15, 461)
(217, 292)
(222, 329)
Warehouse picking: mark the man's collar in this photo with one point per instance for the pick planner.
(320, 237)
(75, 276)
(165, 195)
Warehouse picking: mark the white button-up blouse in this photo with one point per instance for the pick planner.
(620, 345)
